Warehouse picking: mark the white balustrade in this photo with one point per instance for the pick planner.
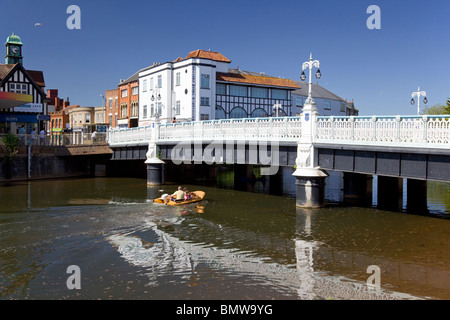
(423, 131)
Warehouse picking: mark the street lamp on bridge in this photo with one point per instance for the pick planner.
(310, 64)
(417, 94)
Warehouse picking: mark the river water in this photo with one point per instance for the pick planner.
(233, 245)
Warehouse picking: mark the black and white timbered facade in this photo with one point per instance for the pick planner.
(22, 95)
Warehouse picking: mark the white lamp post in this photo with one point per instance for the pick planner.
(310, 64)
(156, 96)
(417, 94)
(277, 106)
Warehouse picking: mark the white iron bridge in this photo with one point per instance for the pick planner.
(388, 131)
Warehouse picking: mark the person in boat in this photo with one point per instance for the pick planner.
(187, 195)
(178, 195)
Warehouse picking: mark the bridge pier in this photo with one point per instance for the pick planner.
(154, 174)
(154, 166)
(310, 187)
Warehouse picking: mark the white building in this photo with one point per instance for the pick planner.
(203, 87)
(184, 88)
(327, 103)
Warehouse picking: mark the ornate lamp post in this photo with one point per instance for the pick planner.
(156, 96)
(310, 64)
(310, 180)
(417, 94)
(277, 106)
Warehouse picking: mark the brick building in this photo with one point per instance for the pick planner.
(128, 107)
(111, 103)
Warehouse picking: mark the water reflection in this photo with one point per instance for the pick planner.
(233, 245)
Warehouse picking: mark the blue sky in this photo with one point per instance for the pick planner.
(379, 69)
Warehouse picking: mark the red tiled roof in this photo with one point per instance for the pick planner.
(216, 56)
(252, 79)
(37, 76)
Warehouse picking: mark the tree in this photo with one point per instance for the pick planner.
(447, 107)
(437, 109)
(11, 143)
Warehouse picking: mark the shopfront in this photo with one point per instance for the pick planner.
(11, 123)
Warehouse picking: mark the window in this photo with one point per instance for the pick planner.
(260, 92)
(327, 105)
(279, 94)
(239, 91)
(21, 88)
(97, 118)
(110, 103)
(177, 79)
(134, 109)
(134, 91)
(110, 120)
(204, 117)
(220, 113)
(343, 107)
(204, 84)
(87, 118)
(238, 112)
(144, 85)
(151, 83)
(152, 110)
(159, 81)
(259, 113)
(144, 112)
(177, 107)
(204, 101)
(221, 89)
(299, 102)
(124, 93)
(123, 110)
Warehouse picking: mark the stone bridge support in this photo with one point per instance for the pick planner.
(153, 162)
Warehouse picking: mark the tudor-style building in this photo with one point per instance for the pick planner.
(22, 95)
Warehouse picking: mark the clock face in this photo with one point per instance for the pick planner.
(15, 50)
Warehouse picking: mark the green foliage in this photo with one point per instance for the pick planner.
(11, 143)
(437, 109)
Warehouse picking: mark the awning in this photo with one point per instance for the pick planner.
(11, 100)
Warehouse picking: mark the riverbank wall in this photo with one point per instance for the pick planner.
(41, 162)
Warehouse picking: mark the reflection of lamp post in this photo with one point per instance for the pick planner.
(310, 64)
(417, 94)
(277, 106)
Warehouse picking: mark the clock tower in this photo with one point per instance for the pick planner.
(13, 50)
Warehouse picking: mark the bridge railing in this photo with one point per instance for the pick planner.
(132, 136)
(279, 129)
(427, 130)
